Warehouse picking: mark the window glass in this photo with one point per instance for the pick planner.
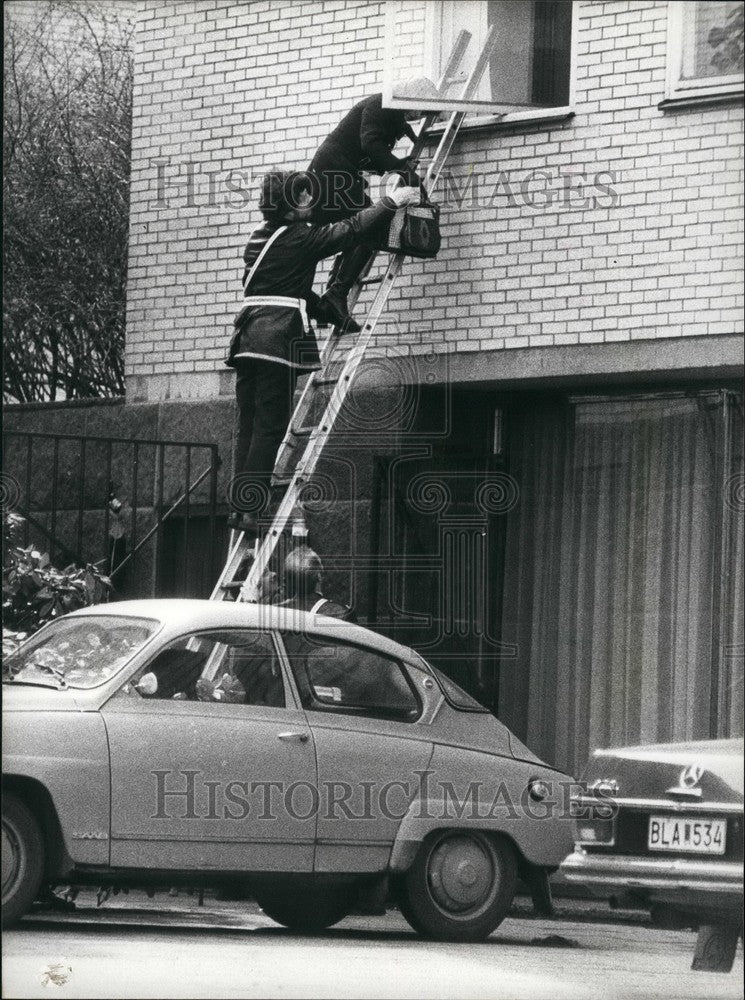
(345, 678)
(712, 39)
(705, 48)
(78, 652)
(531, 61)
(238, 667)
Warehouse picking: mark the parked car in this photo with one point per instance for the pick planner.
(662, 826)
(307, 761)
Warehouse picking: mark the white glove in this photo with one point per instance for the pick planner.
(404, 196)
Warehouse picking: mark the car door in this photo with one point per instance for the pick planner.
(364, 711)
(215, 768)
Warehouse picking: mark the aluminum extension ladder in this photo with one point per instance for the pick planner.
(258, 551)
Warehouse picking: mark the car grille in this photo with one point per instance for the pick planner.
(631, 837)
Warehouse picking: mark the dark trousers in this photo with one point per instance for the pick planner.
(264, 392)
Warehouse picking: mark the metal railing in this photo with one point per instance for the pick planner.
(102, 500)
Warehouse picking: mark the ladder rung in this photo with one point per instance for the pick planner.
(372, 281)
(303, 432)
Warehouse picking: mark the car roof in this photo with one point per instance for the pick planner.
(729, 745)
(187, 613)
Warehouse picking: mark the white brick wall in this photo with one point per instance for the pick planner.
(243, 87)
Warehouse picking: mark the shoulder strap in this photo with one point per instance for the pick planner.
(261, 256)
(319, 604)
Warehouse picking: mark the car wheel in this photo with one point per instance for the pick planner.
(460, 886)
(307, 910)
(22, 859)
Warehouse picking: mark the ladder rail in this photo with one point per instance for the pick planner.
(333, 340)
(237, 552)
(319, 436)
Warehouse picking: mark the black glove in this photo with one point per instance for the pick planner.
(318, 310)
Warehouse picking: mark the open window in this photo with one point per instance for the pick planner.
(237, 666)
(530, 69)
(705, 50)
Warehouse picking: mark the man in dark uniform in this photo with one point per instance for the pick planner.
(319, 664)
(273, 340)
(363, 140)
(302, 577)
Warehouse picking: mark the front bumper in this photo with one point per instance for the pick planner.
(674, 878)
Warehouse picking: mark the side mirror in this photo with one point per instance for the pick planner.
(147, 685)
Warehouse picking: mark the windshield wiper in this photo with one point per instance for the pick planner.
(43, 684)
(10, 675)
(54, 671)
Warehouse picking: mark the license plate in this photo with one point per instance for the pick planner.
(703, 835)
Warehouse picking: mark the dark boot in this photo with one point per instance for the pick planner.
(347, 269)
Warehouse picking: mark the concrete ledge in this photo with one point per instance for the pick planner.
(65, 404)
(669, 360)
(673, 359)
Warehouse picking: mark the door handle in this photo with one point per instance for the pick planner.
(293, 737)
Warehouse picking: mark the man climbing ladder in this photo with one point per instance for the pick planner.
(362, 141)
(307, 435)
(273, 340)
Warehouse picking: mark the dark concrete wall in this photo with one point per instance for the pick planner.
(339, 517)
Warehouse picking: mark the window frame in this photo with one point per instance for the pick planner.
(680, 91)
(288, 688)
(359, 712)
(434, 14)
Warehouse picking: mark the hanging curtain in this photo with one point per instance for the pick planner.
(613, 575)
(731, 705)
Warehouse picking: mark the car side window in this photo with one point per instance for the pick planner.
(236, 666)
(345, 678)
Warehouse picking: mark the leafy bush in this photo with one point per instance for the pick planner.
(35, 592)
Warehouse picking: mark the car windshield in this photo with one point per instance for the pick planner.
(78, 652)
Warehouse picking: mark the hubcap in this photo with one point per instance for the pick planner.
(461, 874)
(12, 859)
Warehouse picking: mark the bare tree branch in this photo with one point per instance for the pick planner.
(67, 126)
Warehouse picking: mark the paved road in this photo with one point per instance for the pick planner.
(229, 950)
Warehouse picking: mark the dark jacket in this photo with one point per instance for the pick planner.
(276, 333)
(363, 140)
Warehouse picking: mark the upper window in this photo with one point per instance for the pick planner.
(350, 679)
(705, 49)
(239, 667)
(529, 69)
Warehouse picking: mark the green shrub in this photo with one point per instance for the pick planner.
(35, 592)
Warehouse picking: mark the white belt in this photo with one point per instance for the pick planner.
(279, 301)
